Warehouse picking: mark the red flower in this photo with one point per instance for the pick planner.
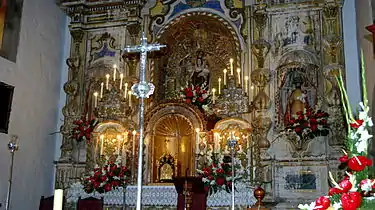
(299, 113)
(359, 163)
(210, 177)
(356, 124)
(103, 178)
(301, 117)
(314, 127)
(313, 121)
(298, 130)
(96, 185)
(322, 203)
(351, 201)
(189, 94)
(116, 183)
(334, 191)
(188, 100)
(346, 185)
(344, 159)
(108, 187)
(220, 181)
(219, 171)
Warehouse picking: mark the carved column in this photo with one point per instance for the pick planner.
(260, 78)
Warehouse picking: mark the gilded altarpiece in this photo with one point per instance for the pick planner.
(283, 50)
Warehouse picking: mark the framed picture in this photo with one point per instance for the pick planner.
(6, 98)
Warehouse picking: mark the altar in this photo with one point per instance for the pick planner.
(159, 197)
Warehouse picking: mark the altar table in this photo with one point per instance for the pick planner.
(161, 196)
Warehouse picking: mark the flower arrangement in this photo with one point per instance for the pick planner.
(354, 191)
(217, 175)
(309, 123)
(196, 95)
(83, 129)
(110, 176)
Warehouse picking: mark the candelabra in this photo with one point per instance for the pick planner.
(232, 142)
(13, 147)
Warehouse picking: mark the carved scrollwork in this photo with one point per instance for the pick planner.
(260, 49)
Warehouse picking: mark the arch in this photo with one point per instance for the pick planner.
(224, 123)
(240, 44)
(101, 127)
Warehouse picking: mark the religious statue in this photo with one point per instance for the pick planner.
(194, 71)
(297, 100)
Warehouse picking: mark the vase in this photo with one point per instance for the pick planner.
(259, 194)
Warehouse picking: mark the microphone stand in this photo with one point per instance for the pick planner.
(12, 146)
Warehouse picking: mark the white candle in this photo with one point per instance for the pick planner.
(121, 78)
(213, 95)
(225, 76)
(95, 99)
(216, 143)
(126, 90)
(101, 144)
(123, 146)
(231, 66)
(197, 140)
(246, 83)
(219, 85)
(114, 72)
(107, 81)
(239, 75)
(101, 89)
(118, 144)
(58, 199)
(130, 97)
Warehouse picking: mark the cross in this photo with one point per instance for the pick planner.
(142, 90)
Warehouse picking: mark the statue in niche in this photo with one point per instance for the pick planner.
(194, 72)
(296, 93)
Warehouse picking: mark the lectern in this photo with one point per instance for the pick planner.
(191, 190)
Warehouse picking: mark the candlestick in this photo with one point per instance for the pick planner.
(96, 99)
(118, 144)
(246, 83)
(114, 72)
(219, 85)
(239, 75)
(101, 144)
(121, 78)
(126, 90)
(101, 89)
(231, 66)
(107, 81)
(58, 199)
(213, 95)
(130, 97)
(225, 76)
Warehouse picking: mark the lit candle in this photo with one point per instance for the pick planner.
(121, 78)
(231, 66)
(58, 199)
(126, 90)
(101, 89)
(96, 99)
(101, 144)
(197, 140)
(118, 144)
(114, 72)
(123, 146)
(107, 81)
(213, 95)
(239, 75)
(225, 76)
(130, 97)
(219, 85)
(246, 83)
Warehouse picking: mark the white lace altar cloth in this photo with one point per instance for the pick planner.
(161, 196)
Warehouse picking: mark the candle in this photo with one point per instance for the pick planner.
(107, 81)
(246, 83)
(58, 199)
(213, 95)
(225, 76)
(96, 99)
(118, 144)
(123, 146)
(197, 140)
(130, 97)
(126, 90)
(101, 144)
(239, 75)
(114, 72)
(121, 78)
(219, 85)
(101, 89)
(231, 66)
(216, 143)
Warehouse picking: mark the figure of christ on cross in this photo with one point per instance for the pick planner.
(142, 90)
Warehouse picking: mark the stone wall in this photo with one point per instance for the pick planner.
(36, 77)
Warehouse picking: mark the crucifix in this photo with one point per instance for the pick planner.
(142, 90)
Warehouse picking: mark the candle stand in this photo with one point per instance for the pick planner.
(13, 147)
(232, 142)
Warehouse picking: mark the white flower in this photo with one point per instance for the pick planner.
(307, 206)
(365, 135)
(337, 206)
(361, 146)
(367, 186)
